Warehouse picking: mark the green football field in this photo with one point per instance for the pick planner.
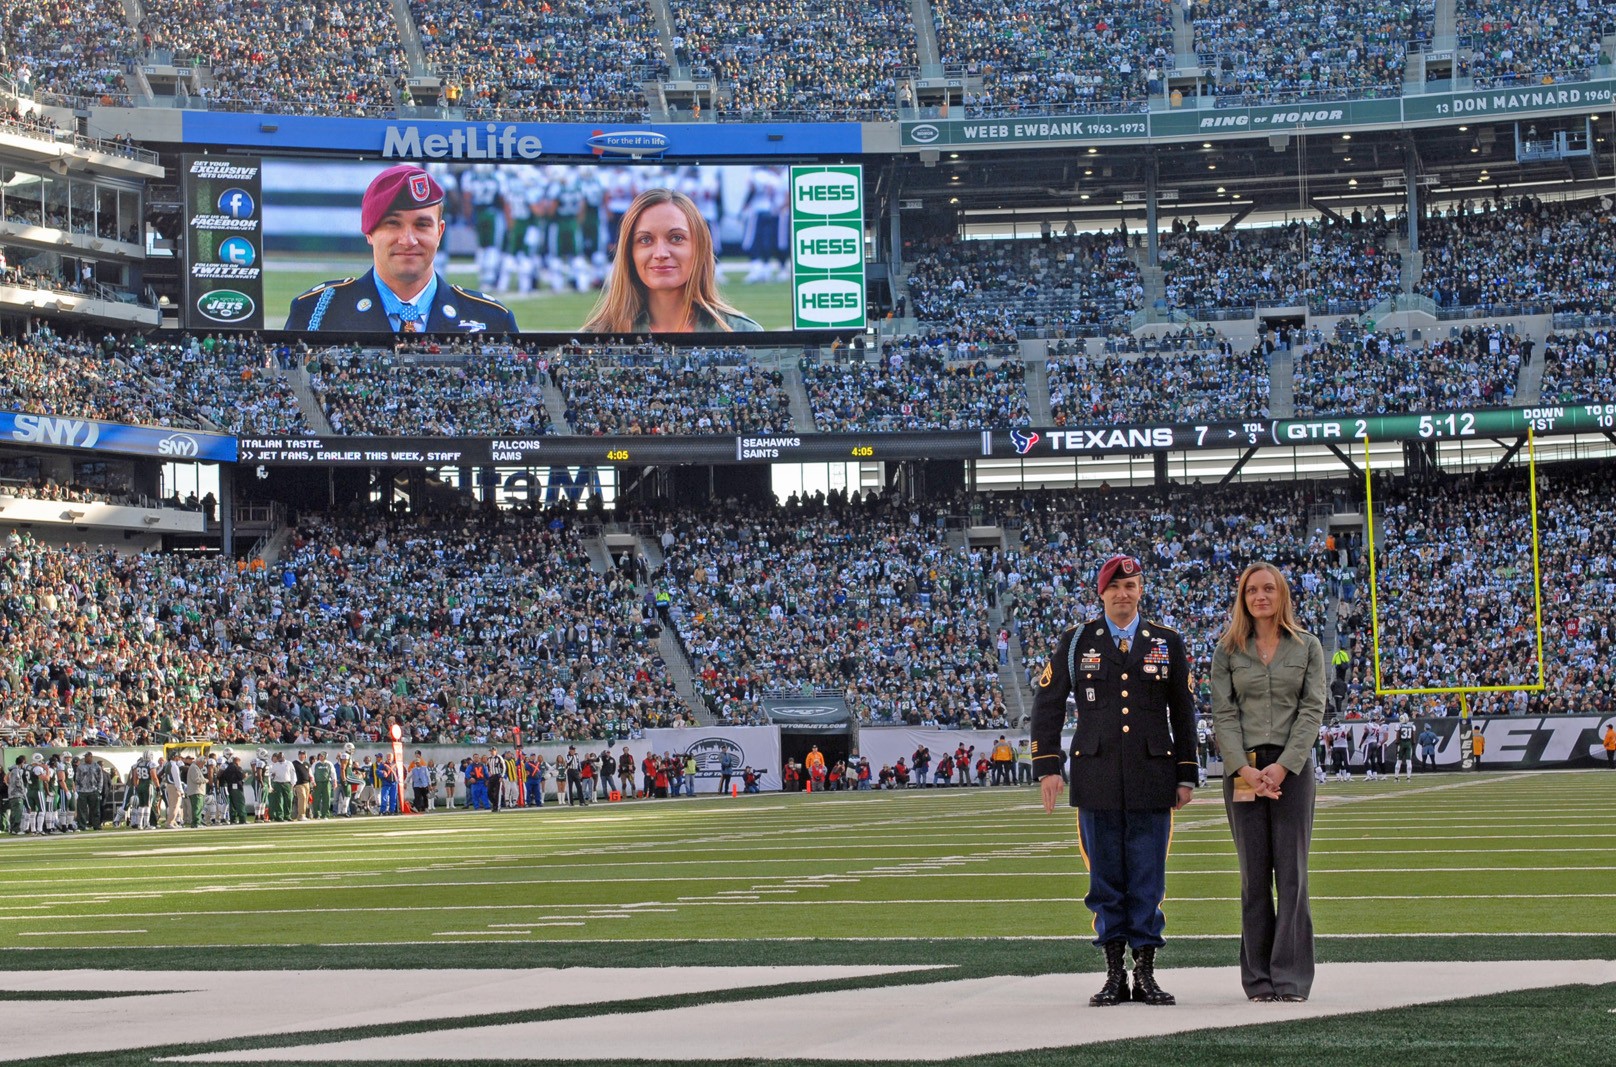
(768, 303)
(971, 883)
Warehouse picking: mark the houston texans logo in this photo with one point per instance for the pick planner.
(1023, 441)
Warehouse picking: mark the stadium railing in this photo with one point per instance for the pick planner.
(77, 140)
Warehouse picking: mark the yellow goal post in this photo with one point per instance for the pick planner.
(1537, 596)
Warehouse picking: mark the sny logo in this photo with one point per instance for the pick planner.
(1023, 440)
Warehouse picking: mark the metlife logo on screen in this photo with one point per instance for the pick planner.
(223, 243)
(827, 247)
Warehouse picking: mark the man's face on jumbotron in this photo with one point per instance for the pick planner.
(404, 245)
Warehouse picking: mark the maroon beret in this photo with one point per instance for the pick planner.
(1119, 566)
(401, 188)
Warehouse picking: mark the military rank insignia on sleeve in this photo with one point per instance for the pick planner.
(1047, 677)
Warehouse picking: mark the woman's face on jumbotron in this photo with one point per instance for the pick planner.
(662, 247)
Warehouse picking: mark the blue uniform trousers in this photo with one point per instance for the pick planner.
(1126, 855)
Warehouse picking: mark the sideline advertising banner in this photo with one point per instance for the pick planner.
(757, 747)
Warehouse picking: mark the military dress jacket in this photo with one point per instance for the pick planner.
(353, 305)
(1134, 743)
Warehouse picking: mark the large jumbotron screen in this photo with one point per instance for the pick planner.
(541, 240)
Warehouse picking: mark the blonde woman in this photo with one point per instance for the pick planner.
(665, 276)
(1268, 694)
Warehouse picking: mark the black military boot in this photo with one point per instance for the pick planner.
(1145, 989)
(1115, 990)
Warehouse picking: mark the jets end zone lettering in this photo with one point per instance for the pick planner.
(827, 247)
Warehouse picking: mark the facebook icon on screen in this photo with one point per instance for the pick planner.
(237, 203)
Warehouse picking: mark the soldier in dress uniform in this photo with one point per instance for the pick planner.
(1132, 764)
(402, 219)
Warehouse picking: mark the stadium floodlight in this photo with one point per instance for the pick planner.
(1537, 594)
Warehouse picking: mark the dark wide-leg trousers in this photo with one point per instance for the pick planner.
(1126, 856)
(1272, 838)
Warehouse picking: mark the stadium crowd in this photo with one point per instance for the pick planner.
(227, 382)
(1358, 370)
(855, 595)
(1578, 365)
(1039, 55)
(362, 618)
(833, 59)
(1544, 43)
(1274, 52)
(916, 389)
(338, 58)
(45, 374)
(1521, 251)
(76, 48)
(1193, 545)
(459, 390)
(694, 391)
(1073, 284)
(1330, 268)
(208, 382)
(1164, 387)
(549, 60)
(1455, 594)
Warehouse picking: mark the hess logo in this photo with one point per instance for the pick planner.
(830, 300)
(827, 192)
(829, 247)
(1023, 440)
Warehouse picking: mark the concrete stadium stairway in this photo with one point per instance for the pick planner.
(298, 379)
(664, 26)
(556, 405)
(927, 53)
(1183, 36)
(802, 412)
(1151, 278)
(1037, 383)
(680, 671)
(274, 545)
(1529, 387)
(1413, 267)
(1282, 385)
(409, 35)
(1446, 21)
(1012, 675)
